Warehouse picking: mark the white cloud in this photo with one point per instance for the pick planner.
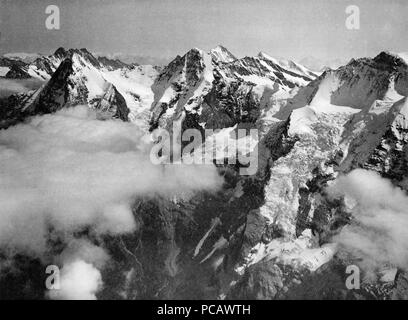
(80, 277)
(79, 281)
(69, 170)
(12, 86)
(378, 233)
(82, 249)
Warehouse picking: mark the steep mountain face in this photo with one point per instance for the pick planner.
(216, 90)
(349, 118)
(43, 67)
(77, 77)
(78, 81)
(266, 236)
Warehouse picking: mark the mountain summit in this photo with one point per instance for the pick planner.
(221, 54)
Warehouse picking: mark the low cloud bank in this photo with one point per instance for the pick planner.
(68, 170)
(378, 235)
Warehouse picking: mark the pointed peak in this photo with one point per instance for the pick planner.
(264, 55)
(194, 54)
(75, 54)
(389, 59)
(63, 53)
(220, 47)
(60, 52)
(222, 54)
(195, 50)
(190, 56)
(84, 50)
(385, 60)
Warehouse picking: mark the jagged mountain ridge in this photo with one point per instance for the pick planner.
(77, 77)
(42, 67)
(189, 83)
(198, 82)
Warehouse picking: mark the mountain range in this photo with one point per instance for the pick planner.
(268, 236)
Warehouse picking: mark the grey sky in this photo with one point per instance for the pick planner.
(165, 28)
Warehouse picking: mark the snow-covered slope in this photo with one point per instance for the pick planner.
(77, 77)
(219, 90)
(77, 81)
(134, 84)
(352, 117)
(32, 66)
(221, 54)
(241, 90)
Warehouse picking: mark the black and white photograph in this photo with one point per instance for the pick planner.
(203, 150)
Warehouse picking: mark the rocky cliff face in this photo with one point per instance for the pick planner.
(220, 91)
(75, 77)
(77, 81)
(332, 139)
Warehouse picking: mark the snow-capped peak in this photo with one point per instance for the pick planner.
(222, 54)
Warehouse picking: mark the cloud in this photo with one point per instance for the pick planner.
(69, 170)
(378, 235)
(12, 86)
(84, 250)
(79, 281)
(80, 278)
